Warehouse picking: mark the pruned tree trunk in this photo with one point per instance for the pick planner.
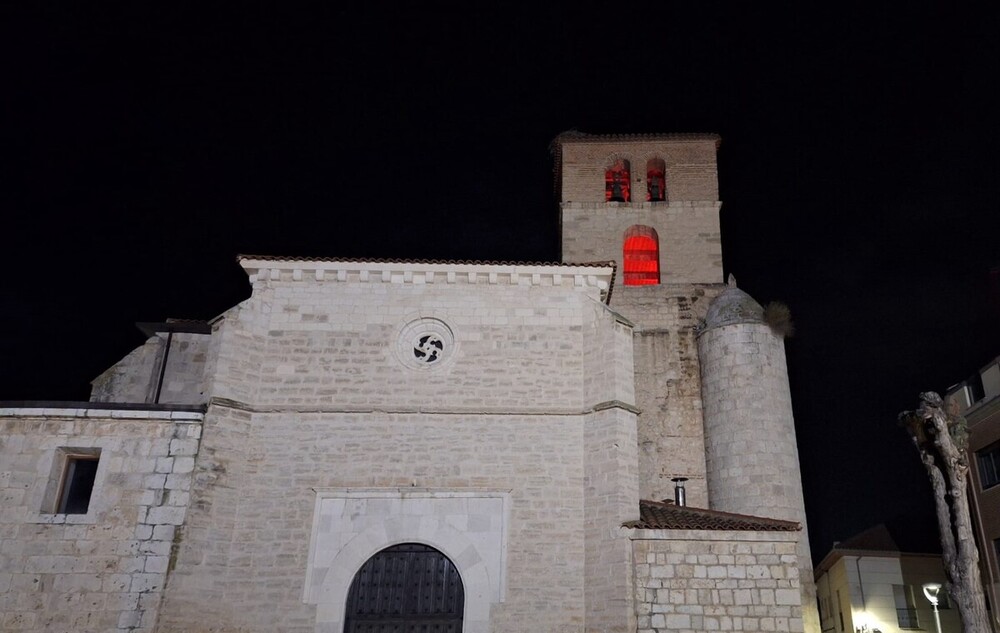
(942, 440)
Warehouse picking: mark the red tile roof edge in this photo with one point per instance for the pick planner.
(659, 515)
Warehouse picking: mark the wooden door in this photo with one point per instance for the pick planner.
(408, 588)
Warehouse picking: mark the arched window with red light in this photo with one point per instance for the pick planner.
(656, 181)
(641, 256)
(616, 182)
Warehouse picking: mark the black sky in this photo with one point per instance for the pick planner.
(144, 146)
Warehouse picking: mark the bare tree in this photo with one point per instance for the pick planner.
(942, 440)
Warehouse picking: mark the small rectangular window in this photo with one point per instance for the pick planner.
(988, 460)
(71, 484)
(975, 387)
(906, 608)
(78, 484)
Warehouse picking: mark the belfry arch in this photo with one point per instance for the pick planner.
(641, 256)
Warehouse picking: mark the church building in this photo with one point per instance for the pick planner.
(599, 444)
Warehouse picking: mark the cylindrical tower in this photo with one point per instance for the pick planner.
(751, 456)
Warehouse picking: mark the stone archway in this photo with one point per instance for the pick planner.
(351, 526)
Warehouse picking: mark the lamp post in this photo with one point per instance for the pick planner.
(931, 590)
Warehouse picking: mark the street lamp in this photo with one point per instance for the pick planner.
(931, 590)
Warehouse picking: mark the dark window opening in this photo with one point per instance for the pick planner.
(906, 607)
(77, 484)
(641, 257)
(976, 390)
(840, 611)
(988, 460)
(617, 181)
(656, 182)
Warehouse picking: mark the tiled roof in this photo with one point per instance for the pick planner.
(659, 515)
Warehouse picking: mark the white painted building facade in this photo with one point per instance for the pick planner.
(867, 585)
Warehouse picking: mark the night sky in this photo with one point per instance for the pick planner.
(144, 146)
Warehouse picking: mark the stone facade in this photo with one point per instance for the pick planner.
(511, 416)
(105, 569)
(716, 580)
(668, 385)
(532, 399)
(168, 368)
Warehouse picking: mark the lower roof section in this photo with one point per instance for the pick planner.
(661, 515)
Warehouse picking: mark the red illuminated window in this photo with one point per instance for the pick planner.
(641, 256)
(656, 182)
(616, 182)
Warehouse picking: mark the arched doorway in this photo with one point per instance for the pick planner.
(407, 588)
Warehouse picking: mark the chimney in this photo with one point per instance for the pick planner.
(680, 497)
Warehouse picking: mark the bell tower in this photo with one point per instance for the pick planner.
(710, 377)
(650, 202)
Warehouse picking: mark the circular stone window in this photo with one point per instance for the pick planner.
(425, 343)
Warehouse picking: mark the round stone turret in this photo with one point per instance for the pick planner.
(750, 452)
(733, 306)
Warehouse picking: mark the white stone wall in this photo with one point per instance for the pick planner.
(668, 385)
(104, 570)
(246, 544)
(470, 527)
(136, 378)
(133, 378)
(690, 240)
(687, 224)
(689, 581)
(610, 499)
(666, 370)
(608, 360)
(753, 465)
(751, 455)
(312, 393)
(691, 172)
(184, 375)
(315, 344)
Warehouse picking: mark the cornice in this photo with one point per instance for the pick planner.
(598, 275)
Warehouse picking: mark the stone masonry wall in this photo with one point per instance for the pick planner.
(309, 344)
(691, 171)
(184, 376)
(608, 361)
(315, 390)
(751, 453)
(243, 562)
(102, 571)
(133, 378)
(687, 224)
(136, 377)
(689, 581)
(668, 385)
(690, 240)
(611, 498)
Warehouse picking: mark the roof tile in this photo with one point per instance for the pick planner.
(660, 515)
